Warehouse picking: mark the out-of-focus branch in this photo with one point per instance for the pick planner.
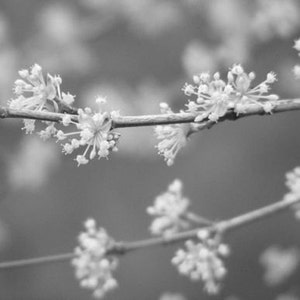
(121, 248)
(152, 120)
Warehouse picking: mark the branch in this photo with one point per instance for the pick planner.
(152, 120)
(121, 248)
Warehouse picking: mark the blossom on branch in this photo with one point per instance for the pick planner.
(33, 90)
(215, 97)
(168, 211)
(36, 93)
(93, 267)
(94, 131)
(245, 95)
(172, 137)
(201, 260)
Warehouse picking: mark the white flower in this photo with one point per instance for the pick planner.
(33, 90)
(37, 93)
(202, 261)
(168, 210)
(215, 97)
(94, 131)
(29, 126)
(48, 132)
(172, 137)
(279, 264)
(212, 97)
(93, 267)
(245, 95)
(67, 98)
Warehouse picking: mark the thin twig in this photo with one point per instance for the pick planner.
(152, 120)
(121, 248)
(36, 261)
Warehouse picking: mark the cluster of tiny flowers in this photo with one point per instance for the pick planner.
(172, 137)
(296, 68)
(169, 210)
(92, 266)
(93, 131)
(215, 97)
(293, 183)
(279, 264)
(36, 93)
(203, 261)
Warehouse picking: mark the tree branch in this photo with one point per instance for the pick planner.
(153, 120)
(121, 248)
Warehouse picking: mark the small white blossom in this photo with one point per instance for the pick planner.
(202, 261)
(67, 98)
(94, 131)
(279, 264)
(245, 95)
(215, 97)
(29, 126)
(48, 132)
(171, 137)
(66, 120)
(93, 267)
(33, 90)
(212, 97)
(36, 93)
(168, 210)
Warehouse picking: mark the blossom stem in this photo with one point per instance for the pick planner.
(153, 120)
(121, 248)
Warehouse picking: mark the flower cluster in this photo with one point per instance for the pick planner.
(169, 210)
(93, 267)
(202, 261)
(296, 68)
(94, 131)
(215, 97)
(172, 137)
(93, 128)
(279, 264)
(37, 94)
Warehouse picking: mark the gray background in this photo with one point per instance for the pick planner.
(140, 53)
